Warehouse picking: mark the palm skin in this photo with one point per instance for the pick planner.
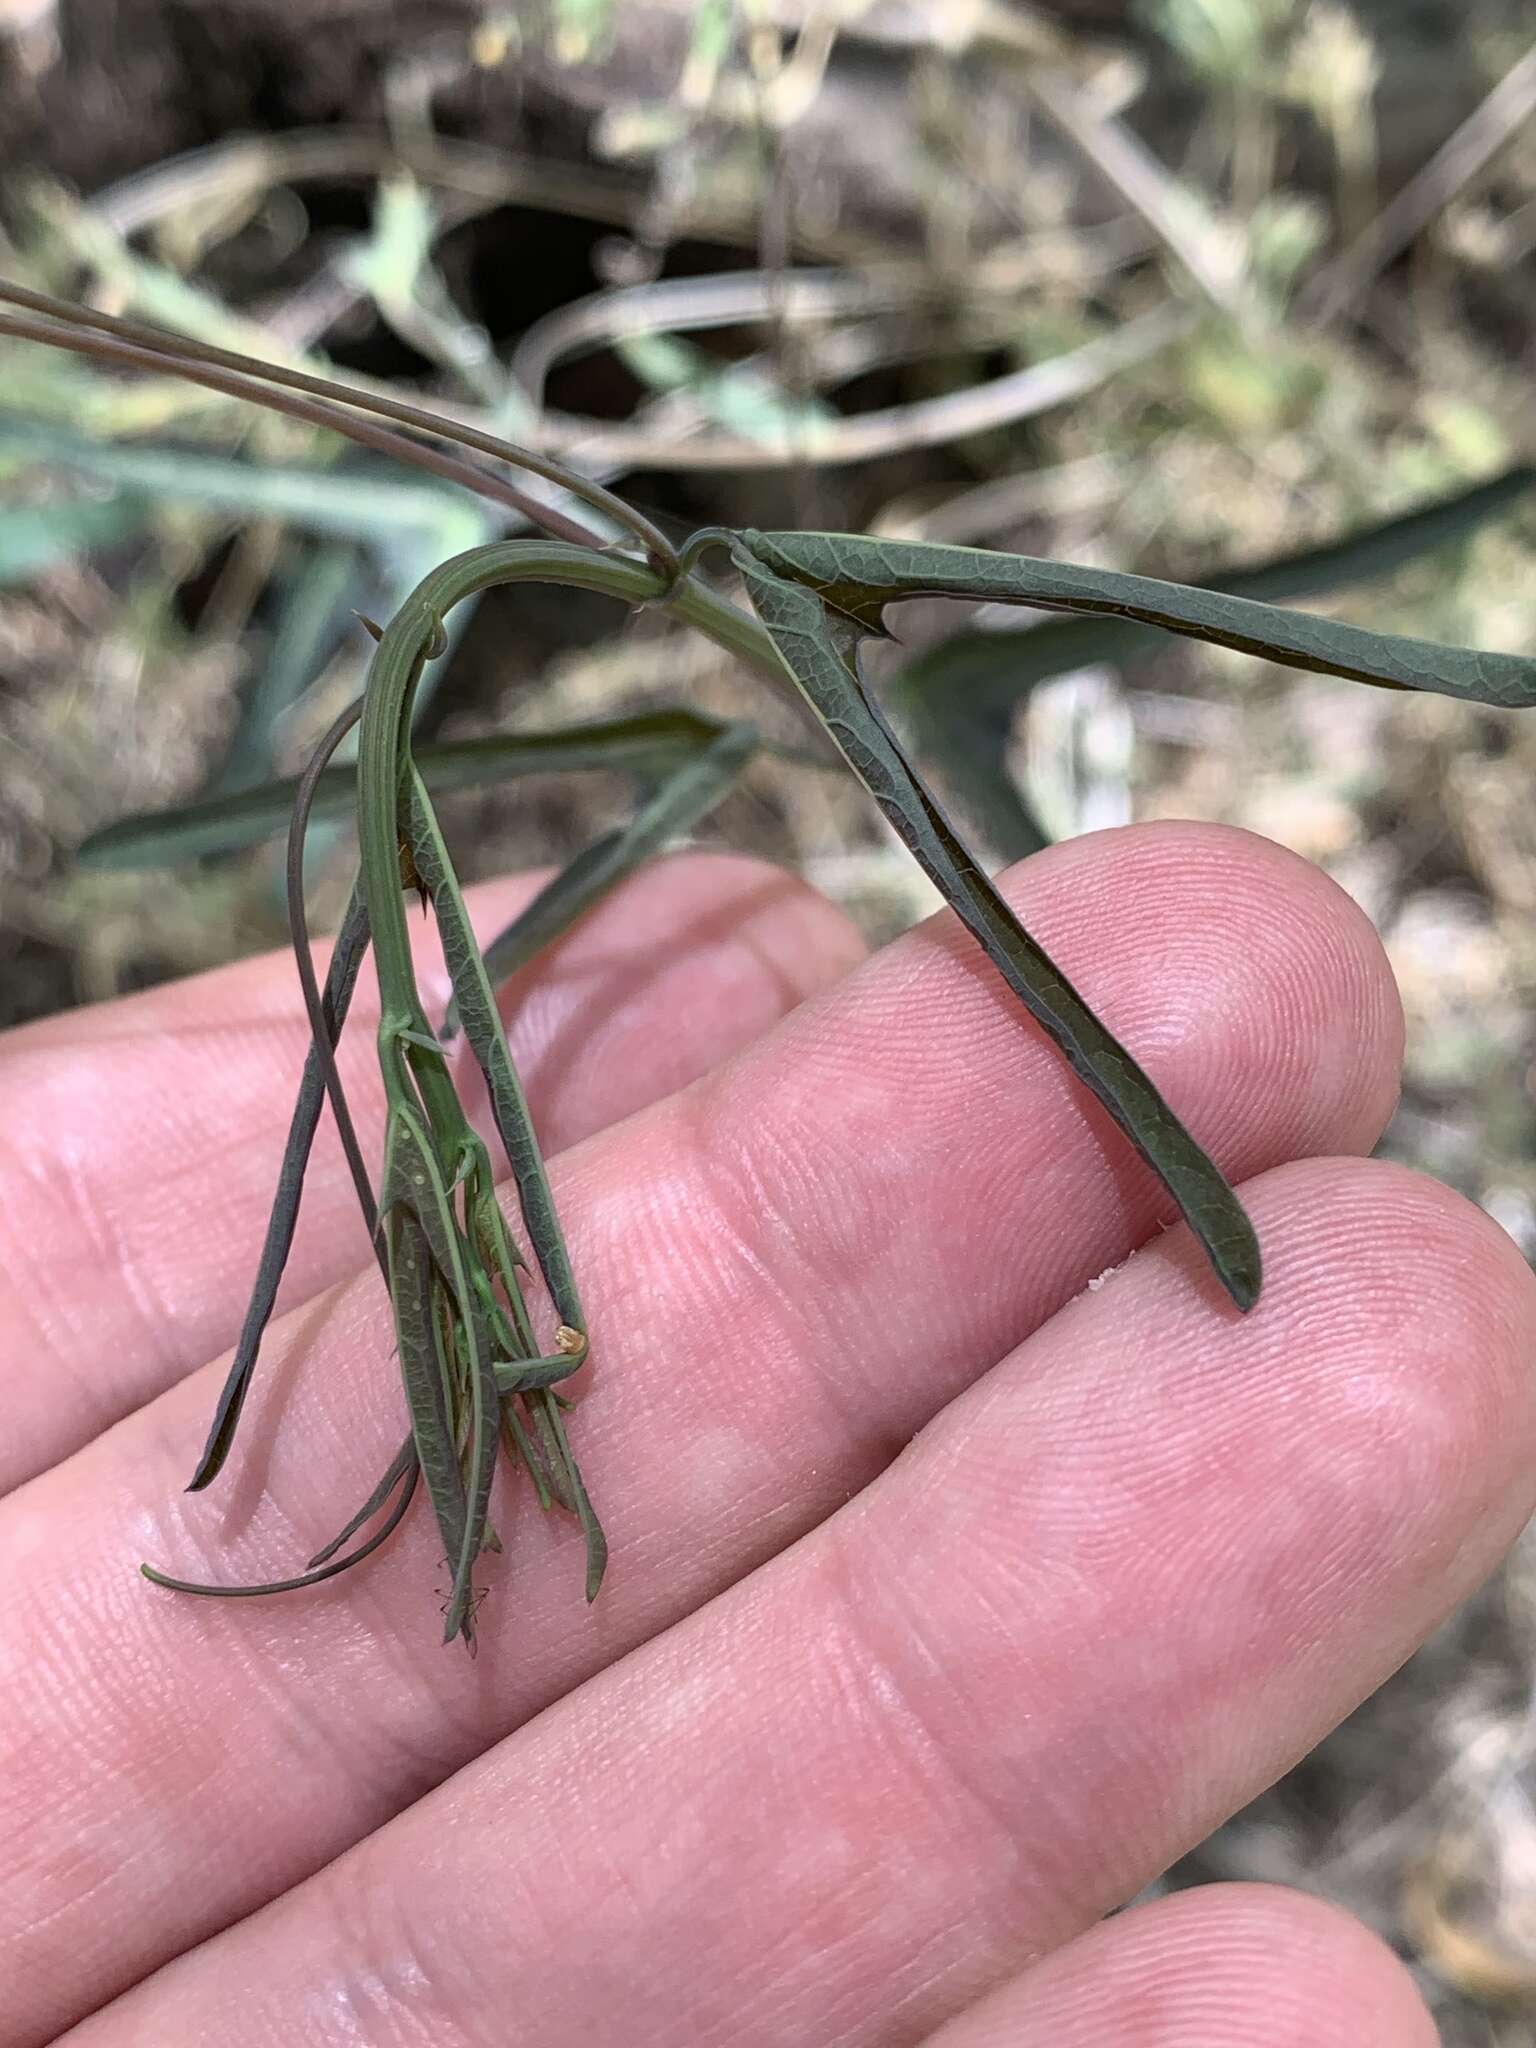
(952, 1598)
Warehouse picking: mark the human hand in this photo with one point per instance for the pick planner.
(861, 1729)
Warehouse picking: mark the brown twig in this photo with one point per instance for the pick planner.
(1457, 161)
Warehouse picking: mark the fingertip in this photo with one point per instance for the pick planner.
(1263, 961)
(1454, 1303)
(1223, 1966)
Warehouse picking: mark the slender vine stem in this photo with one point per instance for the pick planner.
(135, 340)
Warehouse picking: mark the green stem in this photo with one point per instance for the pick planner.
(402, 653)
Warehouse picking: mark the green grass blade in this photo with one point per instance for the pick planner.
(354, 501)
(314, 611)
(37, 537)
(341, 979)
(652, 744)
(686, 796)
(820, 650)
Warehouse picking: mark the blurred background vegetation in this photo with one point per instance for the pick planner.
(1190, 287)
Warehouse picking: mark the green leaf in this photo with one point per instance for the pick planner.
(652, 744)
(427, 1257)
(318, 1573)
(819, 647)
(859, 578)
(997, 668)
(958, 699)
(341, 979)
(482, 1026)
(414, 1291)
(688, 794)
(404, 1461)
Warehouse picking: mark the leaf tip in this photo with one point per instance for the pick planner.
(1241, 1273)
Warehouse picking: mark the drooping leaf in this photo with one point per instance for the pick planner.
(481, 1021)
(341, 979)
(820, 649)
(313, 1577)
(400, 1464)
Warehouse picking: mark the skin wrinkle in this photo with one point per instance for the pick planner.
(1204, 1969)
(155, 1313)
(755, 1181)
(908, 1727)
(1039, 1884)
(19, 1279)
(51, 1178)
(388, 1986)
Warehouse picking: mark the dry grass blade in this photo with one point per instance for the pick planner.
(1475, 143)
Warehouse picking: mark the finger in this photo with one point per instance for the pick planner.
(1107, 1597)
(139, 1140)
(1227, 1966)
(789, 1269)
